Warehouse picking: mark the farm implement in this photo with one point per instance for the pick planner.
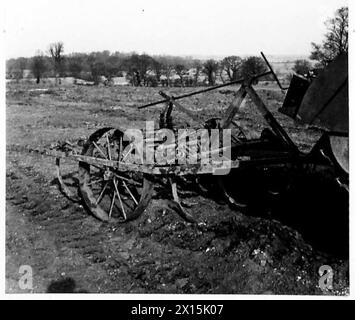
(119, 172)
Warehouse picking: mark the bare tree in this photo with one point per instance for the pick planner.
(19, 68)
(38, 66)
(98, 69)
(336, 38)
(198, 68)
(252, 66)
(75, 65)
(56, 51)
(180, 70)
(231, 65)
(157, 68)
(166, 71)
(138, 67)
(220, 71)
(210, 68)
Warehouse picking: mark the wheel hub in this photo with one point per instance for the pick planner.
(108, 174)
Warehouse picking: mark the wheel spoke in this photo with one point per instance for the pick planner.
(101, 193)
(120, 151)
(96, 167)
(94, 181)
(112, 203)
(128, 152)
(101, 186)
(129, 191)
(98, 148)
(119, 198)
(131, 181)
(108, 147)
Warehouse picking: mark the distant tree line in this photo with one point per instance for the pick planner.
(146, 70)
(138, 69)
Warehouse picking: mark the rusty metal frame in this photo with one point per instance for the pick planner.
(287, 154)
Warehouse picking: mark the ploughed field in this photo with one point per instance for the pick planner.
(253, 251)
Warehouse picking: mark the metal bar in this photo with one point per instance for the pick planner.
(273, 73)
(270, 119)
(179, 169)
(205, 90)
(190, 113)
(63, 186)
(165, 120)
(185, 215)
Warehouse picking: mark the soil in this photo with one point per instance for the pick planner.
(230, 251)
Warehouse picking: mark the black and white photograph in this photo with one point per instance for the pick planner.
(176, 149)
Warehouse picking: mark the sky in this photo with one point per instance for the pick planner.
(177, 27)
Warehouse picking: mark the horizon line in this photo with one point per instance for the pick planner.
(193, 56)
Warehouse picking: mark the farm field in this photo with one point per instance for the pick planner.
(237, 252)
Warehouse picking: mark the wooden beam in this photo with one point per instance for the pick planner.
(234, 107)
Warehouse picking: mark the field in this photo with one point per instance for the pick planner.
(71, 251)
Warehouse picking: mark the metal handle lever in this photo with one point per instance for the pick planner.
(273, 73)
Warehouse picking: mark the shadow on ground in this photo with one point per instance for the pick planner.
(65, 285)
(312, 204)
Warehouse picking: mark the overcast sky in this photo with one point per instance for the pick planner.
(177, 27)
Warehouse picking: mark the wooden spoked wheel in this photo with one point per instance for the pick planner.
(108, 193)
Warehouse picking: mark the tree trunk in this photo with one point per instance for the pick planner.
(182, 82)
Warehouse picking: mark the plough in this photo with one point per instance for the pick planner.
(116, 182)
